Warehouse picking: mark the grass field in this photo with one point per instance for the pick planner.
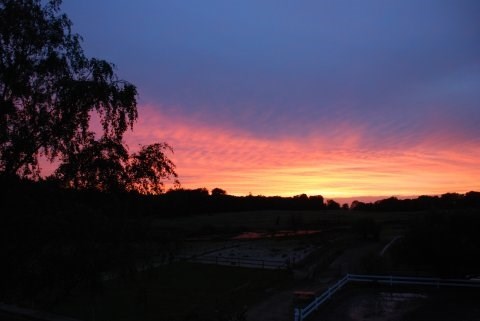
(236, 222)
(179, 291)
(184, 291)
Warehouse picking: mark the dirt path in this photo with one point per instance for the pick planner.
(400, 304)
(279, 306)
(351, 259)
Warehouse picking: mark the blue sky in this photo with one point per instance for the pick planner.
(394, 74)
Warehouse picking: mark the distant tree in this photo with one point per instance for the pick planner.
(316, 198)
(358, 206)
(332, 205)
(302, 197)
(451, 200)
(316, 201)
(345, 207)
(218, 192)
(147, 169)
(472, 199)
(389, 204)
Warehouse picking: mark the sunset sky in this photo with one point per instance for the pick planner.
(276, 97)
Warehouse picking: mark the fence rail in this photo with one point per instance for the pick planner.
(238, 261)
(302, 313)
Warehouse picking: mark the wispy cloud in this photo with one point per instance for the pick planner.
(324, 97)
(332, 165)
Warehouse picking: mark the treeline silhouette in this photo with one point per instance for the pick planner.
(447, 201)
(197, 201)
(184, 202)
(188, 202)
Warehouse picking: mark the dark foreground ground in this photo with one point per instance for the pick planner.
(401, 304)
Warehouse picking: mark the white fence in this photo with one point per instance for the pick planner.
(238, 261)
(302, 313)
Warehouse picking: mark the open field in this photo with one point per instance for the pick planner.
(313, 249)
(224, 223)
(179, 291)
(185, 291)
(289, 236)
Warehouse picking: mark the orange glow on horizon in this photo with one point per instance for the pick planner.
(334, 167)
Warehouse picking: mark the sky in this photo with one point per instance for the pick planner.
(281, 97)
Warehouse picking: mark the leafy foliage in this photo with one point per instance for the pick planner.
(147, 168)
(99, 165)
(49, 88)
(105, 165)
(49, 91)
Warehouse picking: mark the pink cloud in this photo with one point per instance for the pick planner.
(340, 164)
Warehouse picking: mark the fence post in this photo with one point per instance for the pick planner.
(298, 314)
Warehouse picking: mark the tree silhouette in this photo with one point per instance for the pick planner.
(105, 165)
(99, 166)
(332, 205)
(218, 192)
(48, 92)
(147, 168)
(49, 88)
